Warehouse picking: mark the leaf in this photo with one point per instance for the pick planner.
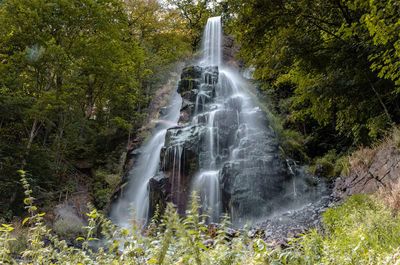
(114, 246)
(25, 220)
(79, 238)
(27, 201)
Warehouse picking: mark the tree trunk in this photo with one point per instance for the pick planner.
(32, 136)
(380, 100)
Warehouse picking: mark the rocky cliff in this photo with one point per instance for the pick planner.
(370, 170)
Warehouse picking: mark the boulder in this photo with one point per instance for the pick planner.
(158, 190)
(190, 78)
(192, 72)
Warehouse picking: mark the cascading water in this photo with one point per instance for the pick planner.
(240, 168)
(212, 42)
(136, 193)
(223, 147)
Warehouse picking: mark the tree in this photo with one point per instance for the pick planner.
(162, 34)
(382, 19)
(195, 13)
(318, 51)
(68, 70)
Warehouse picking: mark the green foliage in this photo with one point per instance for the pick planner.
(195, 13)
(67, 230)
(104, 184)
(330, 165)
(361, 231)
(383, 22)
(76, 78)
(325, 66)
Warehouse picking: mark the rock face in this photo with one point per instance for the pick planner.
(158, 187)
(381, 170)
(229, 50)
(222, 138)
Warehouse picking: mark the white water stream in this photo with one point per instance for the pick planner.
(136, 195)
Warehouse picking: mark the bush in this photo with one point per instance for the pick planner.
(330, 165)
(68, 230)
(105, 183)
(361, 231)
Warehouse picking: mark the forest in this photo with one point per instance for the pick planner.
(85, 85)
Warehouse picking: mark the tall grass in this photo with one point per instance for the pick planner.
(361, 231)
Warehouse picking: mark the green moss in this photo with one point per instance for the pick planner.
(105, 183)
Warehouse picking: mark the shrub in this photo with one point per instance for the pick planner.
(68, 230)
(361, 231)
(330, 165)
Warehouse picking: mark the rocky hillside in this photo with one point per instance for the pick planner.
(371, 169)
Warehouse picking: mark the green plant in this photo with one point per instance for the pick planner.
(330, 165)
(361, 231)
(65, 229)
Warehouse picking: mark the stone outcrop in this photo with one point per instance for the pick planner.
(369, 172)
(183, 152)
(229, 50)
(158, 190)
(252, 172)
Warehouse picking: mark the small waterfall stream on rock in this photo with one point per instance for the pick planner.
(137, 195)
(221, 144)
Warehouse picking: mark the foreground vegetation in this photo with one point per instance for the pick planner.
(361, 231)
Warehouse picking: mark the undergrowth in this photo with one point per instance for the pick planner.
(363, 230)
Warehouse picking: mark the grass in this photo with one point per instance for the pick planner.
(363, 230)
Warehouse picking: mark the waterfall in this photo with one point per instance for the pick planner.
(218, 142)
(241, 170)
(136, 193)
(229, 104)
(212, 41)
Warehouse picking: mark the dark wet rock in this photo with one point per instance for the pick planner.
(229, 49)
(251, 183)
(180, 160)
(163, 110)
(187, 85)
(190, 79)
(136, 152)
(158, 190)
(192, 72)
(292, 223)
(186, 111)
(190, 96)
(254, 178)
(211, 75)
(235, 104)
(279, 229)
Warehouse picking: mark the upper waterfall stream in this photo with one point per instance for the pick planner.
(217, 142)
